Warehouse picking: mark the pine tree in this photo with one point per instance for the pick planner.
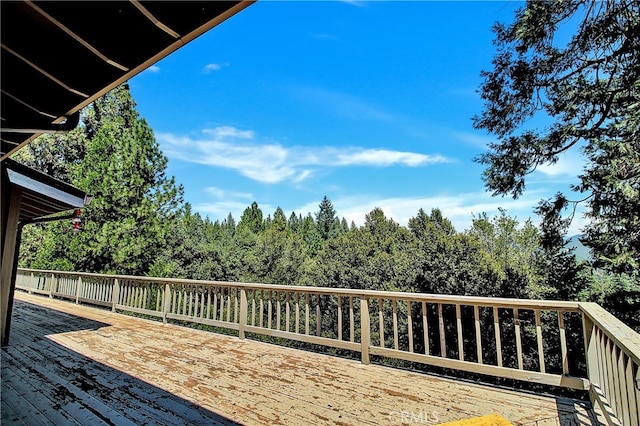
(326, 219)
(586, 92)
(134, 203)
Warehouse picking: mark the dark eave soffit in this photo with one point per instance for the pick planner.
(58, 57)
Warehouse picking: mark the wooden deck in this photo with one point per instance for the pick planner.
(72, 364)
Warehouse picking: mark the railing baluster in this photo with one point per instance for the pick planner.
(496, 328)
(261, 308)
(192, 306)
(203, 301)
(243, 313)
(306, 313)
(381, 320)
(564, 358)
(235, 305)
(459, 331)
(287, 311)
(476, 320)
(253, 307)
(54, 285)
(615, 354)
(410, 326)
(339, 317)
(278, 309)
(624, 397)
(516, 322)
(540, 345)
(602, 358)
(297, 313)
(425, 326)
(78, 290)
(269, 310)
(214, 310)
(116, 294)
(167, 302)
(185, 301)
(174, 300)
(228, 304)
(443, 342)
(125, 294)
(352, 323)
(221, 318)
(318, 316)
(159, 297)
(395, 323)
(633, 390)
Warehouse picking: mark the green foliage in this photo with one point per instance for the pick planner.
(137, 225)
(327, 221)
(134, 204)
(252, 219)
(55, 155)
(587, 90)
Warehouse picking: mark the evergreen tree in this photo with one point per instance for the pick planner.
(294, 222)
(252, 219)
(55, 155)
(135, 203)
(588, 90)
(279, 222)
(326, 219)
(229, 225)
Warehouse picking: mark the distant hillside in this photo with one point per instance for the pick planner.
(581, 251)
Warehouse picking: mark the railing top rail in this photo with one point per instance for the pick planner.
(623, 336)
(375, 294)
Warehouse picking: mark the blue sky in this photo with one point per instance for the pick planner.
(368, 103)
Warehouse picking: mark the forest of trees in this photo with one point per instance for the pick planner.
(138, 224)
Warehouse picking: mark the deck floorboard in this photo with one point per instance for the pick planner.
(70, 363)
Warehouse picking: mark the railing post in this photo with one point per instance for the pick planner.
(115, 295)
(78, 289)
(365, 327)
(31, 284)
(166, 302)
(242, 321)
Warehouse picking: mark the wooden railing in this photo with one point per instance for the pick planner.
(537, 341)
(613, 358)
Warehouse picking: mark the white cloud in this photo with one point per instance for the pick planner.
(214, 67)
(460, 209)
(236, 149)
(385, 158)
(569, 164)
(229, 131)
(221, 209)
(223, 193)
(474, 139)
(153, 69)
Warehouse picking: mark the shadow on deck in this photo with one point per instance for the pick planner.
(44, 382)
(71, 364)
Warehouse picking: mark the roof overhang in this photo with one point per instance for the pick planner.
(40, 194)
(59, 56)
